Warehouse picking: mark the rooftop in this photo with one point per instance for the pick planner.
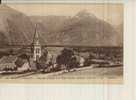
(8, 59)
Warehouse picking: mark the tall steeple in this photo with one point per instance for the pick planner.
(36, 46)
(36, 37)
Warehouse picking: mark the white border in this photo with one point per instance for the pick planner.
(86, 92)
(64, 1)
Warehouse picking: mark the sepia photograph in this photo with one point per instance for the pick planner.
(61, 43)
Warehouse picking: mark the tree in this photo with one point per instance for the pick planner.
(65, 58)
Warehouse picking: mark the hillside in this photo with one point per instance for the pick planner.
(82, 29)
(15, 27)
(119, 29)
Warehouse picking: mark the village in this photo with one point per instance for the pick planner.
(35, 58)
(38, 59)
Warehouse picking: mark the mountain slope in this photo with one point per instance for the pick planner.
(119, 29)
(15, 27)
(82, 29)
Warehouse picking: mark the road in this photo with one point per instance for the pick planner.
(81, 73)
(86, 73)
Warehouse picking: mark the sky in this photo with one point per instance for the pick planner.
(112, 13)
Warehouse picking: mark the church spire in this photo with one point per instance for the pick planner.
(36, 47)
(36, 36)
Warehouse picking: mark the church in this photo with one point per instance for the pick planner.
(40, 57)
(36, 50)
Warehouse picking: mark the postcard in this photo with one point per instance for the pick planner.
(74, 43)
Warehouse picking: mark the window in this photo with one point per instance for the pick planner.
(37, 50)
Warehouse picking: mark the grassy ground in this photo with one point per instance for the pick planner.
(92, 73)
(83, 73)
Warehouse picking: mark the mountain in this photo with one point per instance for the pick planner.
(119, 29)
(15, 27)
(49, 27)
(82, 29)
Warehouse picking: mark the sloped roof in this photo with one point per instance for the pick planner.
(8, 59)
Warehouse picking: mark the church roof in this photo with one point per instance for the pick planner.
(36, 36)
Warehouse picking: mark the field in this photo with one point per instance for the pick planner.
(81, 73)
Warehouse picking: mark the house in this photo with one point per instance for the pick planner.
(25, 67)
(23, 63)
(14, 63)
(8, 63)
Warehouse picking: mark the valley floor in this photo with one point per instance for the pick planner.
(81, 73)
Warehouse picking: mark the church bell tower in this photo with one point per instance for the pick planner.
(36, 46)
